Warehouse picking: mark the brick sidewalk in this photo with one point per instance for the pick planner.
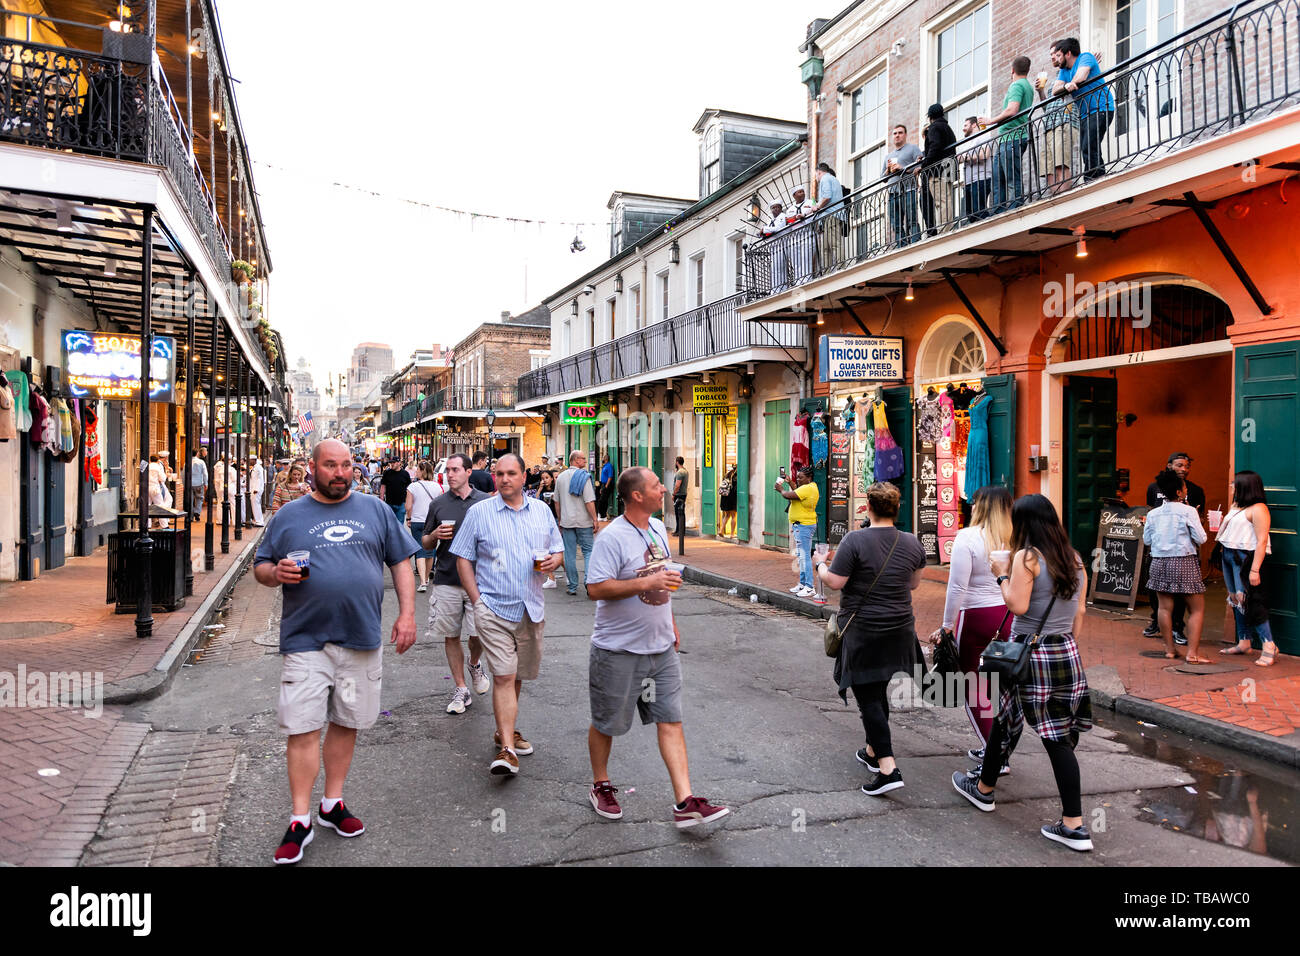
(1266, 700)
(50, 818)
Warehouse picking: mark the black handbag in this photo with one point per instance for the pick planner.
(1010, 659)
(946, 675)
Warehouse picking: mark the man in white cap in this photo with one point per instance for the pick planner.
(773, 226)
(802, 238)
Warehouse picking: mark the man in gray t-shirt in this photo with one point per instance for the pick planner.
(633, 663)
(577, 515)
(902, 187)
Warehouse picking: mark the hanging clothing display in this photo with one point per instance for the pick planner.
(66, 442)
(821, 442)
(72, 443)
(977, 448)
(91, 463)
(40, 418)
(850, 416)
(961, 433)
(946, 415)
(961, 396)
(889, 457)
(22, 399)
(800, 453)
(8, 422)
(864, 416)
(929, 418)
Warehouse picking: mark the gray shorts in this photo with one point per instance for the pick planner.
(336, 684)
(622, 682)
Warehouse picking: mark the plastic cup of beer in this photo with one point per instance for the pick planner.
(448, 523)
(303, 560)
(674, 566)
(538, 557)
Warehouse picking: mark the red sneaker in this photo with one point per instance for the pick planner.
(341, 821)
(295, 838)
(603, 800)
(696, 811)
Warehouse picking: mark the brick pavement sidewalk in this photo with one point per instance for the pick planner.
(1232, 691)
(65, 627)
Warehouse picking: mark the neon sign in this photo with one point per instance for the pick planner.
(106, 365)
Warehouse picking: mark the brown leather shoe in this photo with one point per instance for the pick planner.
(505, 763)
(522, 747)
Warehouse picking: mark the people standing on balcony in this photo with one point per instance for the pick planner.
(802, 236)
(902, 187)
(479, 477)
(1013, 137)
(499, 548)
(1060, 131)
(937, 169)
(1244, 537)
(419, 496)
(832, 221)
(330, 641)
(394, 482)
(1080, 76)
(778, 261)
(198, 482)
(803, 497)
(576, 502)
(976, 161)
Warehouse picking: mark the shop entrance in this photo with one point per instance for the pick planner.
(776, 454)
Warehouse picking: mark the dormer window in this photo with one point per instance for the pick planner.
(711, 159)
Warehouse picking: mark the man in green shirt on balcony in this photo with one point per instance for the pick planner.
(1013, 137)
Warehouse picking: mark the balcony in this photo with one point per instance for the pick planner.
(1234, 69)
(470, 398)
(710, 331)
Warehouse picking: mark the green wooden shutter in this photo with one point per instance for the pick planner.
(776, 452)
(742, 472)
(898, 413)
(1090, 456)
(1002, 430)
(1267, 439)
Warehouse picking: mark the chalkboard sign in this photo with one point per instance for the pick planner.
(1115, 565)
(837, 481)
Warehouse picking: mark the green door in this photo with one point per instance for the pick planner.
(655, 442)
(742, 472)
(1090, 405)
(1267, 437)
(898, 413)
(1002, 429)
(708, 482)
(776, 453)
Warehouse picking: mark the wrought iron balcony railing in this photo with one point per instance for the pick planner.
(468, 398)
(1234, 68)
(713, 329)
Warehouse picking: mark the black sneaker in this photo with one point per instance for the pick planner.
(868, 762)
(295, 838)
(1180, 638)
(1151, 630)
(979, 769)
(882, 783)
(976, 755)
(1078, 839)
(969, 789)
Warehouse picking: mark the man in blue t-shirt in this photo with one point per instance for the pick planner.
(1080, 76)
(331, 654)
(606, 487)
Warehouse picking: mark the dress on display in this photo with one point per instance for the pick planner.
(866, 458)
(946, 416)
(889, 457)
(821, 443)
(929, 418)
(977, 448)
(864, 416)
(799, 451)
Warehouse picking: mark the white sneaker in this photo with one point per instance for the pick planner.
(459, 701)
(796, 589)
(481, 683)
(804, 591)
(422, 588)
(548, 584)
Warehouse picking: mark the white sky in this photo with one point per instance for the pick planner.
(530, 109)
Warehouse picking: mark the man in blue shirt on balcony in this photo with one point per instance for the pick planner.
(1080, 75)
(833, 224)
(902, 187)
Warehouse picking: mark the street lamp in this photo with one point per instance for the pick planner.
(490, 418)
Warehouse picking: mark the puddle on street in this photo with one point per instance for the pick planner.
(1235, 799)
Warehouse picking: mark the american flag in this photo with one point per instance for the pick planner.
(305, 424)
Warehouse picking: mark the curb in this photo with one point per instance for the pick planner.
(156, 680)
(1285, 751)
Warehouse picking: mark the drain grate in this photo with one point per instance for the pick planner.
(18, 630)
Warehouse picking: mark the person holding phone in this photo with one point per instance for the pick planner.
(803, 500)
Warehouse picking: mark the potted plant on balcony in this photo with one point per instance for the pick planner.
(242, 271)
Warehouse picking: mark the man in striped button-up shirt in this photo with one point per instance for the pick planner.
(494, 550)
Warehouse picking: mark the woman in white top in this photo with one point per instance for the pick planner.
(974, 612)
(419, 495)
(1174, 534)
(1244, 528)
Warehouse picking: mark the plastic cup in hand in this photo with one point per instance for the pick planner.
(1215, 519)
(674, 566)
(448, 524)
(538, 557)
(303, 560)
(1000, 557)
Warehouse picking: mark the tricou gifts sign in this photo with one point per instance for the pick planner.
(860, 358)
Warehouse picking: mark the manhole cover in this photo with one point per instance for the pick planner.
(1204, 668)
(17, 630)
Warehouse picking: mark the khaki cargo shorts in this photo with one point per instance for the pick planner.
(450, 612)
(510, 647)
(336, 685)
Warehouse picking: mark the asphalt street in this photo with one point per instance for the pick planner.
(767, 736)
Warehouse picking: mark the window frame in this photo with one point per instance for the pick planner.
(699, 279)
(635, 309)
(878, 67)
(930, 62)
(665, 295)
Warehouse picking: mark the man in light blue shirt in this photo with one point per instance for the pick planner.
(832, 222)
(1080, 76)
(504, 548)
(198, 482)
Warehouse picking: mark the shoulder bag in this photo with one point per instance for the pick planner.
(834, 633)
(1010, 659)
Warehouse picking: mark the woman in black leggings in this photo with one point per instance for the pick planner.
(876, 568)
(1044, 585)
